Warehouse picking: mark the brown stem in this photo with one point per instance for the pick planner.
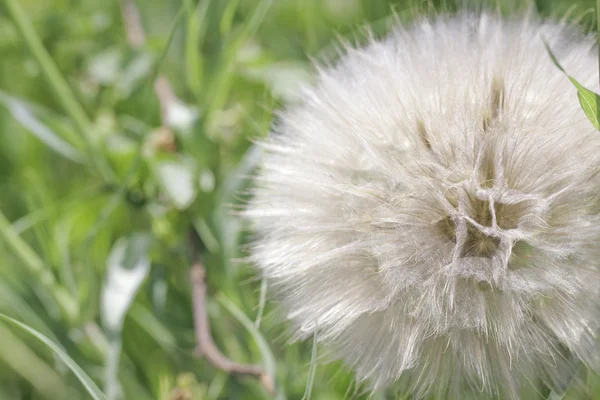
(165, 138)
(206, 345)
(133, 24)
(136, 38)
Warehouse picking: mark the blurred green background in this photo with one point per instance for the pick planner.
(100, 192)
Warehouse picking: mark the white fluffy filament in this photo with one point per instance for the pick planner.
(433, 202)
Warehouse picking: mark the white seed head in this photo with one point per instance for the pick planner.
(432, 203)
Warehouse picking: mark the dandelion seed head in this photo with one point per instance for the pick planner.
(431, 205)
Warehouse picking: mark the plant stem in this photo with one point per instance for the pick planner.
(59, 86)
(598, 35)
(206, 345)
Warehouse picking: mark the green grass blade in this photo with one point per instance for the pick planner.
(12, 303)
(219, 91)
(58, 85)
(27, 118)
(261, 342)
(86, 381)
(229, 228)
(262, 299)
(176, 23)
(194, 38)
(312, 369)
(147, 321)
(227, 17)
(598, 35)
(43, 276)
(22, 359)
(206, 235)
(574, 385)
(351, 391)
(215, 389)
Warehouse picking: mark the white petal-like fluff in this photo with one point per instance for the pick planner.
(432, 206)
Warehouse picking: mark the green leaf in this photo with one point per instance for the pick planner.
(589, 101)
(87, 382)
(114, 202)
(25, 116)
(127, 267)
(176, 178)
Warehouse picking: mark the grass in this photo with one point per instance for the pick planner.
(87, 187)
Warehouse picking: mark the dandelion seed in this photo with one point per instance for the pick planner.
(433, 202)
